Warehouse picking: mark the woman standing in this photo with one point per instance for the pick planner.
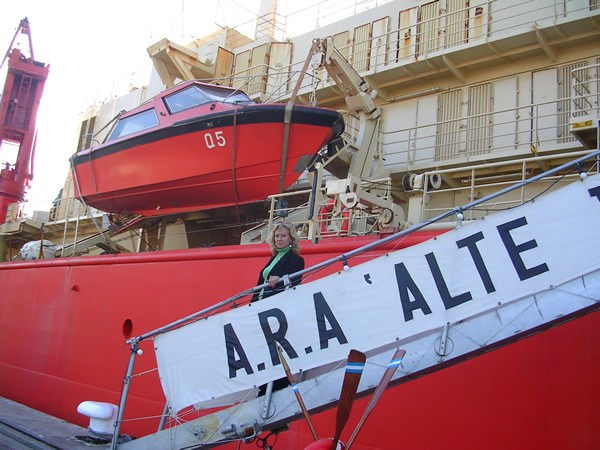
(286, 260)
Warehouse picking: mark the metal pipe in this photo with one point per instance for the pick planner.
(313, 193)
(268, 396)
(126, 380)
(163, 418)
(287, 118)
(414, 94)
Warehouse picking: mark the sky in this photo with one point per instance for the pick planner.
(96, 50)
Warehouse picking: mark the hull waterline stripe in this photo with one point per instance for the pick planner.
(249, 115)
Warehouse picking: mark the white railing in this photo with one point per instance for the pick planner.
(430, 31)
(473, 184)
(586, 91)
(468, 139)
(326, 218)
(241, 297)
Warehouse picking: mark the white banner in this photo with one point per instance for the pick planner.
(462, 273)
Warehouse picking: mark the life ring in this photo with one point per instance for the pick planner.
(325, 216)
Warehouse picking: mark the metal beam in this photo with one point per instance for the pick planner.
(498, 53)
(453, 69)
(545, 45)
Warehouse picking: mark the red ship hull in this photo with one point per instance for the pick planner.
(63, 326)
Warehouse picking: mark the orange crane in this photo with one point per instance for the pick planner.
(18, 112)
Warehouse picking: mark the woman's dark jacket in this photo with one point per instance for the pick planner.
(288, 264)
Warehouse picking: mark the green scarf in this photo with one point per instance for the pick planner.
(267, 270)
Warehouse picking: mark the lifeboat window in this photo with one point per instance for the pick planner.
(195, 95)
(188, 98)
(227, 95)
(133, 124)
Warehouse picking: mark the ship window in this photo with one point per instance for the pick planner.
(188, 98)
(194, 96)
(133, 124)
(226, 95)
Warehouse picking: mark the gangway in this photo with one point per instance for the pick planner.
(560, 283)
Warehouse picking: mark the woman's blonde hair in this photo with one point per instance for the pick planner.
(294, 244)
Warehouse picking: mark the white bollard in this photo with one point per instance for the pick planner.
(102, 416)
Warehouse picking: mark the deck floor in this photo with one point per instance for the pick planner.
(25, 428)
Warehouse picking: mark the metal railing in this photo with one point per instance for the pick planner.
(586, 91)
(458, 212)
(423, 31)
(67, 216)
(470, 138)
(328, 219)
(473, 185)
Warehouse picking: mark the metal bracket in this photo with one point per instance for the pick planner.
(267, 409)
(246, 431)
(443, 345)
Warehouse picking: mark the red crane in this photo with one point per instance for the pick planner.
(18, 112)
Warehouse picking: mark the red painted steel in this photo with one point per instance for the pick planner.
(62, 342)
(234, 158)
(18, 113)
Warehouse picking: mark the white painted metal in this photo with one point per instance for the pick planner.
(407, 34)
(544, 111)
(224, 66)
(505, 114)
(258, 70)
(479, 123)
(456, 30)
(342, 43)
(478, 19)
(423, 144)
(361, 48)
(585, 86)
(450, 141)
(565, 89)
(279, 61)
(379, 44)
(428, 29)
(242, 65)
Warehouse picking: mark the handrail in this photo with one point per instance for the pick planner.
(371, 246)
(585, 88)
(525, 126)
(134, 342)
(430, 35)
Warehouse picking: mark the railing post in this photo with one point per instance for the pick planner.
(163, 418)
(66, 228)
(73, 253)
(126, 380)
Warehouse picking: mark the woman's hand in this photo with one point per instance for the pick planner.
(272, 281)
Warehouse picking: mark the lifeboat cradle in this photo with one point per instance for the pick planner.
(480, 286)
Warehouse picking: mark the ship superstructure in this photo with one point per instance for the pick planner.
(444, 103)
(465, 100)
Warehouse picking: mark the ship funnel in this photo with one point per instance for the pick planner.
(102, 418)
